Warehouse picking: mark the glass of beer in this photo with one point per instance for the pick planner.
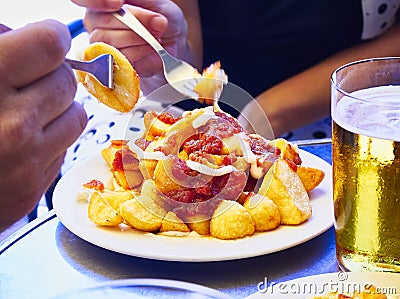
(366, 164)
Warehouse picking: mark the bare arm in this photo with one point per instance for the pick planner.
(306, 97)
(194, 54)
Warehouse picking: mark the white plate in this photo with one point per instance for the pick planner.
(342, 282)
(73, 215)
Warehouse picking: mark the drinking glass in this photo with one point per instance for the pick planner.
(366, 164)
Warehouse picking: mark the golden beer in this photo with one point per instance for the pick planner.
(366, 176)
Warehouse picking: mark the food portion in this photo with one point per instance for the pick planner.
(210, 83)
(201, 174)
(125, 94)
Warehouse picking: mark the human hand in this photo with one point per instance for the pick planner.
(38, 116)
(164, 19)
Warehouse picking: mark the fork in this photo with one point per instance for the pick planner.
(101, 67)
(179, 74)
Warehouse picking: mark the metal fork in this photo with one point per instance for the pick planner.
(102, 68)
(178, 73)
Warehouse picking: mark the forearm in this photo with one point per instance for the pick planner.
(306, 97)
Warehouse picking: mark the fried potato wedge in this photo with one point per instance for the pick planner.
(310, 176)
(263, 210)
(123, 164)
(142, 213)
(172, 222)
(150, 190)
(115, 198)
(130, 180)
(283, 185)
(209, 86)
(108, 153)
(231, 221)
(163, 179)
(154, 127)
(288, 150)
(101, 213)
(126, 90)
(148, 166)
(199, 223)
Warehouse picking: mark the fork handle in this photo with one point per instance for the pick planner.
(128, 18)
(78, 65)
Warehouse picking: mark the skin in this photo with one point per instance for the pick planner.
(164, 19)
(39, 119)
(290, 104)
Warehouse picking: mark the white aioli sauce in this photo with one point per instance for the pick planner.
(208, 113)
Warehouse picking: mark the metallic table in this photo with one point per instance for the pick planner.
(44, 259)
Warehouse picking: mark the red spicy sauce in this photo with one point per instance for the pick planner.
(168, 118)
(118, 143)
(202, 189)
(204, 144)
(95, 184)
(124, 160)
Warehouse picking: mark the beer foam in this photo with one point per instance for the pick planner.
(374, 112)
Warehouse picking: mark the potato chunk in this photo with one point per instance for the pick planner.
(163, 179)
(199, 223)
(288, 150)
(101, 213)
(283, 185)
(231, 221)
(125, 94)
(171, 222)
(123, 164)
(143, 214)
(264, 212)
(154, 127)
(115, 198)
(150, 190)
(311, 177)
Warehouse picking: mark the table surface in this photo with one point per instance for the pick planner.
(44, 259)
(53, 260)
